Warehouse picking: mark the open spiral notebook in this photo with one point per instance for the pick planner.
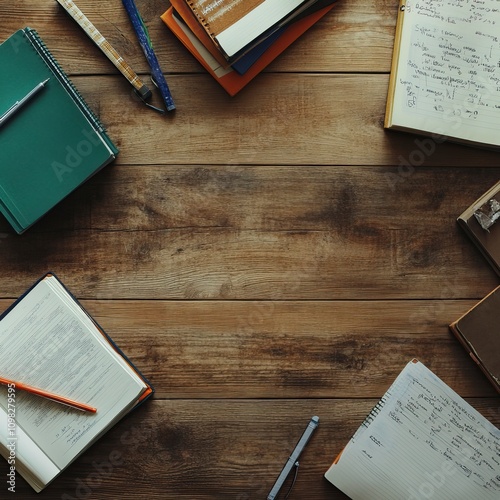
(421, 440)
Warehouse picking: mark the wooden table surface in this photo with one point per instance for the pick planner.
(262, 258)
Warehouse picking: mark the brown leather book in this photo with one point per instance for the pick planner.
(478, 331)
(237, 25)
(481, 222)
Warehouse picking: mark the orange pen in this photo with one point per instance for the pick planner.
(48, 395)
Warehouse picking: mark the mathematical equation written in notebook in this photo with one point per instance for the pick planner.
(453, 66)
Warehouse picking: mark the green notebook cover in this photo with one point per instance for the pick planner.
(53, 143)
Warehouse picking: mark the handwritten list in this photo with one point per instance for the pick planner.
(422, 441)
(449, 69)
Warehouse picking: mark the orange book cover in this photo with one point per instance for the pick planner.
(229, 79)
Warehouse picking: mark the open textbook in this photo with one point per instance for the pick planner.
(48, 341)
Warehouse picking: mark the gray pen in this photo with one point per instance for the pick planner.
(293, 459)
(19, 104)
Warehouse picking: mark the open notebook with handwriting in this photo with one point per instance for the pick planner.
(47, 340)
(445, 73)
(422, 440)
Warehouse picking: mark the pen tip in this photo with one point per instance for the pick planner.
(45, 82)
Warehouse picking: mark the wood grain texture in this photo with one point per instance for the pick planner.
(214, 450)
(355, 36)
(261, 258)
(286, 349)
(321, 115)
(139, 232)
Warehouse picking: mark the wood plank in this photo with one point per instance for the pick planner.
(218, 450)
(225, 232)
(266, 349)
(255, 128)
(355, 36)
(228, 264)
(348, 201)
(289, 349)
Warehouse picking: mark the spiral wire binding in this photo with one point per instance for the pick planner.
(374, 412)
(51, 62)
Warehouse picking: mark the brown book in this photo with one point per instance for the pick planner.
(237, 25)
(477, 330)
(481, 222)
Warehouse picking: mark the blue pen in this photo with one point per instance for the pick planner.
(143, 36)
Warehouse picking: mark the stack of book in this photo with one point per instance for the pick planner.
(235, 40)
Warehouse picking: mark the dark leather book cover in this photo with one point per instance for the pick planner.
(478, 331)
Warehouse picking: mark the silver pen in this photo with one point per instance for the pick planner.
(293, 459)
(18, 104)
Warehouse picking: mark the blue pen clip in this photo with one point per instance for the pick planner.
(141, 31)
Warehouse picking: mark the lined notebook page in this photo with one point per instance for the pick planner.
(449, 69)
(422, 441)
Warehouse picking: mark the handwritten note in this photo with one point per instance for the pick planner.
(449, 70)
(422, 441)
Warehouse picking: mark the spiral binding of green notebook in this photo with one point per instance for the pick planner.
(52, 144)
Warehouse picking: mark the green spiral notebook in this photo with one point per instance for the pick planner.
(53, 143)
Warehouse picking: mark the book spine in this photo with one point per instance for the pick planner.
(394, 65)
(11, 212)
(374, 412)
(202, 20)
(44, 53)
